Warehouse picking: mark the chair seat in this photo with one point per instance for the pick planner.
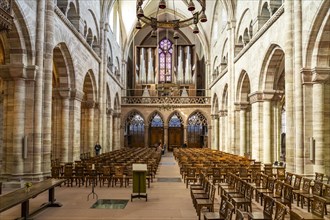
(308, 216)
(259, 216)
(212, 216)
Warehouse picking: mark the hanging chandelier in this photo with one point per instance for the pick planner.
(176, 24)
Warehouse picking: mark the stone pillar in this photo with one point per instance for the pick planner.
(298, 94)
(109, 130)
(117, 131)
(166, 135)
(256, 114)
(215, 139)
(231, 86)
(289, 91)
(222, 128)
(38, 93)
(185, 134)
(101, 138)
(65, 94)
(75, 123)
(242, 129)
(146, 135)
(48, 86)
(267, 129)
(16, 154)
(321, 130)
(90, 127)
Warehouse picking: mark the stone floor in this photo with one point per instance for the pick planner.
(167, 199)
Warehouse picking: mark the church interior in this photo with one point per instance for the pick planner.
(228, 97)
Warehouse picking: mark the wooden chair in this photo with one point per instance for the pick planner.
(244, 174)
(316, 191)
(118, 176)
(105, 176)
(56, 172)
(326, 196)
(288, 178)
(226, 210)
(316, 214)
(287, 197)
(267, 210)
(269, 190)
(216, 175)
(68, 174)
(305, 189)
(79, 175)
(246, 201)
(280, 173)
(190, 176)
(208, 203)
(280, 211)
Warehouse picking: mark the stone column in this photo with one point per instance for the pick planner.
(18, 112)
(117, 131)
(185, 134)
(298, 94)
(222, 127)
(38, 93)
(109, 130)
(215, 138)
(289, 96)
(242, 129)
(256, 114)
(48, 86)
(267, 129)
(146, 135)
(90, 126)
(231, 86)
(65, 94)
(75, 127)
(321, 130)
(166, 135)
(102, 91)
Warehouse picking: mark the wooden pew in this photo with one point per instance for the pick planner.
(22, 197)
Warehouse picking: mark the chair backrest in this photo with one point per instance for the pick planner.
(278, 188)
(239, 215)
(288, 178)
(243, 172)
(248, 192)
(271, 183)
(216, 172)
(326, 193)
(297, 182)
(229, 211)
(264, 182)
(306, 185)
(106, 171)
(191, 172)
(318, 206)
(288, 195)
(268, 205)
(212, 193)
(280, 173)
(317, 188)
(223, 205)
(280, 211)
(295, 216)
(319, 176)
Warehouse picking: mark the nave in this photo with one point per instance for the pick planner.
(167, 199)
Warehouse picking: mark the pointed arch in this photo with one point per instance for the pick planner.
(243, 88)
(224, 103)
(153, 114)
(178, 115)
(215, 104)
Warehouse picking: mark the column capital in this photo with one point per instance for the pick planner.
(321, 75)
(242, 105)
(223, 113)
(77, 94)
(109, 111)
(214, 116)
(256, 97)
(13, 71)
(63, 92)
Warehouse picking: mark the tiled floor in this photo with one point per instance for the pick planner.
(166, 200)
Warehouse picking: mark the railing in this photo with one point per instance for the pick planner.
(6, 20)
(168, 100)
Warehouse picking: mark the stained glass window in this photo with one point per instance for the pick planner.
(157, 121)
(174, 122)
(165, 52)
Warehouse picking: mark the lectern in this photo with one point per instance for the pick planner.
(139, 181)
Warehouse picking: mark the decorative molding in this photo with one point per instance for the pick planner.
(256, 97)
(321, 75)
(214, 116)
(223, 113)
(306, 75)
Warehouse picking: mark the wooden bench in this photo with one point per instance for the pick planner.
(22, 197)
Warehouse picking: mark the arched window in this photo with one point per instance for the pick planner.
(134, 129)
(197, 130)
(157, 121)
(165, 52)
(174, 122)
